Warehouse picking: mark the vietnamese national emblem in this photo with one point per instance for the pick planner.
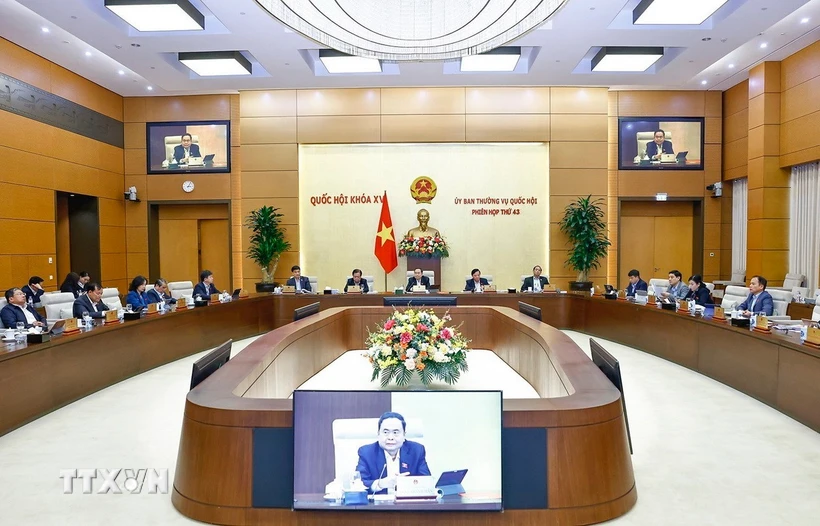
(423, 189)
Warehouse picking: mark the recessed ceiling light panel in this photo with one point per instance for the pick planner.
(216, 63)
(499, 59)
(158, 15)
(675, 12)
(337, 62)
(634, 59)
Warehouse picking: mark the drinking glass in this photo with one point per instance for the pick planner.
(86, 319)
(20, 337)
(20, 326)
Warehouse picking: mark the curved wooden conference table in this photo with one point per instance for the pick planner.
(40, 378)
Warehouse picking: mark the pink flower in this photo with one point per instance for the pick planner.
(446, 334)
(406, 337)
(389, 324)
(422, 327)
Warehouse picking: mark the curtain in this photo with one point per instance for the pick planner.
(804, 223)
(740, 197)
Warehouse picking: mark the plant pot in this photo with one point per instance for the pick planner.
(582, 286)
(266, 287)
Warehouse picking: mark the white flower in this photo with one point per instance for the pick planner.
(440, 357)
(443, 348)
(410, 364)
(423, 346)
(386, 351)
(411, 353)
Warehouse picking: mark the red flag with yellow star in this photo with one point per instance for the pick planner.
(385, 250)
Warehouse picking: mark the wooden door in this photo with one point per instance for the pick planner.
(673, 245)
(215, 251)
(637, 248)
(178, 247)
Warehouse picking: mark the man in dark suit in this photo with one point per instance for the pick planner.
(205, 287)
(186, 149)
(90, 302)
(759, 301)
(660, 145)
(477, 283)
(418, 279)
(536, 282)
(159, 293)
(301, 283)
(18, 311)
(635, 283)
(391, 456)
(34, 289)
(356, 281)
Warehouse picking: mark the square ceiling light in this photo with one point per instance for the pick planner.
(158, 15)
(675, 12)
(338, 62)
(503, 59)
(626, 58)
(216, 63)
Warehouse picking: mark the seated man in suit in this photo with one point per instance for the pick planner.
(301, 283)
(418, 279)
(659, 146)
(759, 301)
(391, 456)
(18, 311)
(476, 283)
(205, 287)
(698, 291)
(34, 289)
(90, 302)
(536, 282)
(635, 283)
(186, 149)
(159, 293)
(356, 281)
(677, 289)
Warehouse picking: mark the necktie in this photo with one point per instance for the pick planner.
(754, 300)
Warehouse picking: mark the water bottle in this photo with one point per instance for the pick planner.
(30, 302)
(799, 297)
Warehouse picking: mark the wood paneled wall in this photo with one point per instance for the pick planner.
(677, 184)
(800, 107)
(274, 123)
(39, 159)
(159, 188)
(736, 131)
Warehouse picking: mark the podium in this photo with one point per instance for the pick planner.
(433, 264)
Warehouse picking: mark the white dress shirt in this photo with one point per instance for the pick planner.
(298, 283)
(30, 319)
(536, 284)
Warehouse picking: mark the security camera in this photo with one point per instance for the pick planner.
(716, 189)
(710, 187)
(131, 194)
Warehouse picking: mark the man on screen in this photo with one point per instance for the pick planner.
(186, 149)
(391, 456)
(658, 146)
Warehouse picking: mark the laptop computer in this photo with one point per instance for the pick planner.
(57, 327)
(208, 158)
(681, 158)
(450, 482)
(236, 293)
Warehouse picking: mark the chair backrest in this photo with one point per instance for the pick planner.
(58, 305)
(3, 303)
(802, 291)
(172, 141)
(111, 298)
(739, 276)
(710, 286)
(646, 137)
(793, 280)
(815, 313)
(734, 296)
(429, 273)
(349, 434)
(488, 277)
(314, 283)
(178, 289)
(659, 285)
(368, 279)
(781, 299)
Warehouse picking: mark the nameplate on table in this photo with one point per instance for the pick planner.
(719, 314)
(419, 288)
(762, 324)
(111, 316)
(181, 304)
(813, 337)
(549, 288)
(70, 326)
(354, 289)
(288, 289)
(683, 305)
(214, 298)
(152, 309)
(488, 288)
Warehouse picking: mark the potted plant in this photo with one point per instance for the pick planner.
(266, 244)
(584, 225)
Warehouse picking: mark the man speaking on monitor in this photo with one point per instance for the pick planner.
(391, 456)
(186, 149)
(658, 146)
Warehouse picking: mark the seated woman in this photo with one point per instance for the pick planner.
(71, 284)
(136, 294)
(698, 291)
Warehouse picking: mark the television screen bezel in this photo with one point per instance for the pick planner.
(603, 359)
(421, 300)
(500, 393)
(187, 171)
(660, 167)
(202, 369)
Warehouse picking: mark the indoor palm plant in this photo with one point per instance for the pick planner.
(584, 225)
(267, 243)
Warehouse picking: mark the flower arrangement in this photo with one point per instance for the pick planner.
(424, 247)
(416, 341)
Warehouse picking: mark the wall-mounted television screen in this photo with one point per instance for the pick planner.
(188, 147)
(397, 450)
(660, 143)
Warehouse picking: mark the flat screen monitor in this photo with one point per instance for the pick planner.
(612, 370)
(530, 310)
(304, 312)
(188, 147)
(660, 143)
(343, 440)
(420, 301)
(208, 364)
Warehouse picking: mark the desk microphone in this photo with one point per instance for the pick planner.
(380, 476)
